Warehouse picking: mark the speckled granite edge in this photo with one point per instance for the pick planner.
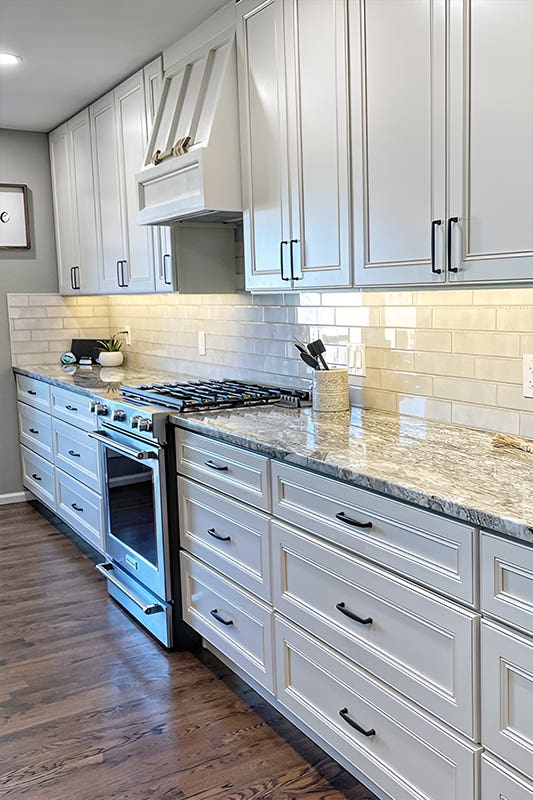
(498, 522)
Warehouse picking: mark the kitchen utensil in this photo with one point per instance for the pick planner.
(310, 360)
(502, 440)
(316, 349)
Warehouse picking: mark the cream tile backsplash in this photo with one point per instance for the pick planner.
(450, 354)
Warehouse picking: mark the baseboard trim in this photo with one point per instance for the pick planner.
(14, 497)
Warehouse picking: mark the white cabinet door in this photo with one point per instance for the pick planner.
(491, 135)
(398, 104)
(317, 92)
(111, 244)
(63, 216)
(263, 114)
(163, 254)
(138, 271)
(83, 207)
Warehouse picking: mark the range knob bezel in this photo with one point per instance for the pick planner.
(101, 410)
(145, 424)
(118, 415)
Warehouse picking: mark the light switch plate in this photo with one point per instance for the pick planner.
(356, 360)
(201, 343)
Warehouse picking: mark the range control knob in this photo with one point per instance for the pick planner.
(145, 424)
(119, 415)
(101, 409)
(134, 422)
(94, 404)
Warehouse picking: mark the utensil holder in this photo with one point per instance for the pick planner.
(330, 390)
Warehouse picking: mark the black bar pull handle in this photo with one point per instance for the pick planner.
(434, 225)
(219, 467)
(119, 263)
(75, 507)
(70, 408)
(346, 717)
(30, 391)
(123, 269)
(77, 276)
(214, 613)
(212, 532)
(341, 516)
(72, 453)
(36, 477)
(293, 276)
(451, 222)
(283, 278)
(33, 430)
(342, 608)
(72, 282)
(165, 278)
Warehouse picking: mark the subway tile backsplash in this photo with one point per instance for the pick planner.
(452, 355)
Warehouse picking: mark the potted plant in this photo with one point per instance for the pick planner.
(111, 352)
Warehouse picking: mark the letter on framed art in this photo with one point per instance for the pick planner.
(14, 218)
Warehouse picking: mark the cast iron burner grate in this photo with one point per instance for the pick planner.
(189, 396)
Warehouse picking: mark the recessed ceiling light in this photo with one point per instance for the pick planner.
(8, 59)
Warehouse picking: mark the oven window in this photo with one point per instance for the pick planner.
(132, 505)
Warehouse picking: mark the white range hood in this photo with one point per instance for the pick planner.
(191, 168)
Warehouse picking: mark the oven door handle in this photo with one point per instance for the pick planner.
(106, 569)
(123, 448)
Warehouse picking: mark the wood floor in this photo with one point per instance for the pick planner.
(93, 709)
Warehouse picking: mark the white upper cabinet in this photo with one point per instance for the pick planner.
(294, 121)
(398, 103)
(118, 122)
(491, 140)
(74, 211)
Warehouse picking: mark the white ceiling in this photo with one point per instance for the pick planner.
(75, 50)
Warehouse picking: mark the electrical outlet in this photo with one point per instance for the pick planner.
(201, 343)
(527, 372)
(125, 334)
(356, 360)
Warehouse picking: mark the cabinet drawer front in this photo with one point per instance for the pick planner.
(236, 472)
(38, 477)
(72, 407)
(76, 454)
(34, 392)
(507, 695)
(507, 580)
(248, 639)
(81, 508)
(431, 549)
(35, 430)
(416, 642)
(499, 782)
(408, 756)
(230, 537)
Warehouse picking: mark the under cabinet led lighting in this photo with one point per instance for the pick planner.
(9, 59)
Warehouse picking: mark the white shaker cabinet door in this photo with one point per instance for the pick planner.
(398, 106)
(83, 204)
(63, 216)
(111, 245)
(263, 115)
(317, 69)
(138, 271)
(491, 140)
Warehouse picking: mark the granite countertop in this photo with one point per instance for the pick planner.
(445, 468)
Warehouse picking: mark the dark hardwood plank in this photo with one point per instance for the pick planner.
(92, 708)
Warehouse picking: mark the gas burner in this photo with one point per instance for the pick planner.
(189, 396)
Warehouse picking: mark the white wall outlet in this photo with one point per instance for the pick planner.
(527, 372)
(201, 343)
(356, 360)
(125, 334)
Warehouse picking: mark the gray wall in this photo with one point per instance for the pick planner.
(23, 159)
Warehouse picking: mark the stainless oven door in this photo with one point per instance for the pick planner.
(136, 527)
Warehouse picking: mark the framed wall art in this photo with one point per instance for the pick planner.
(14, 217)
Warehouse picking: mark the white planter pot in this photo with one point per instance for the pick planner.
(111, 358)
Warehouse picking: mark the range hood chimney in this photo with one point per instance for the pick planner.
(191, 168)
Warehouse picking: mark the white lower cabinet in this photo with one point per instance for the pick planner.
(76, 454)
(405, 752)
(81, 508)
(507, 695)
(499, 782)
(38, 476)
(231, 619)
(409, 638)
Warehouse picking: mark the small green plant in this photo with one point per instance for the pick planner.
(112, 345)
